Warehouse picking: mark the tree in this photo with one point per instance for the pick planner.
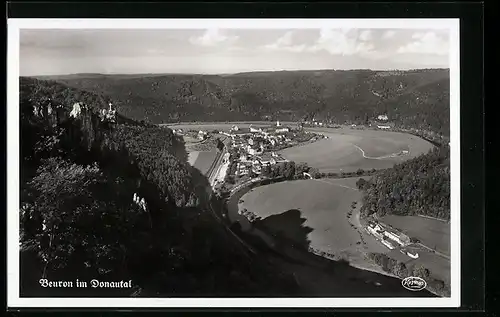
(63, 198)
(220, 145)
(400, 269)
(362, 183)
(301, 168)
(266, 171)
(314, 172)
(289, 170)
(421, 271)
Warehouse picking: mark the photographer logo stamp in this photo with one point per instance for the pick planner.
(414, 283)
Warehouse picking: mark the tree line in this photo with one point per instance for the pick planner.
(411, 99)
(402, 270)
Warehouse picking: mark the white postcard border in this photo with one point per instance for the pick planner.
(14, 25)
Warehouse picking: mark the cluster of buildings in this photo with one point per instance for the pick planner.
(255, 146)
(247, 163)
(202, 135)
(382, 122)
(256, 140)
(389, 238)
(178, 131)
(382, 119)
(316, 123)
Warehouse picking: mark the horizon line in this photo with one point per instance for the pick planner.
(243, 72)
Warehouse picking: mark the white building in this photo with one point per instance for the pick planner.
(252, 129)
(412, 255)
(383, 117)
(283, 129)
(383, 127)
(253, 150)
(202, 135)
(387, 244)
(392, 236)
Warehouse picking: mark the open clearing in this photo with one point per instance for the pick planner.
(192, 157)
(433, 233)
(219, 125)
(204, 160)
(347, 150)
(313, 213)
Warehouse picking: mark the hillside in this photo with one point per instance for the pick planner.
(411, 99)
(420, 186)
(80, 172)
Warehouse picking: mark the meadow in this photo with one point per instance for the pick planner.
(313, 213)
(432, 233)
(347, 150)
(204, 160)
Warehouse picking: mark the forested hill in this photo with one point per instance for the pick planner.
(411, 99)
(82, 165)
(420, 186)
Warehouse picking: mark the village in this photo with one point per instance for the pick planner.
(257, 147)
(248, 150)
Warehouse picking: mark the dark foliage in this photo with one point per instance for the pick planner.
(284, 170)
(420, 186)
(411, 99)
(78, 219)
(401, 270)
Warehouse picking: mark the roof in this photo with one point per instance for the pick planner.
(241, 131)
(266, 156)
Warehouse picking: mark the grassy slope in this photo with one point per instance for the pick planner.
(323, 205)
(338, 153)
(433, 233)
(205, 160)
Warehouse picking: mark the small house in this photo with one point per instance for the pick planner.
(255, 130)
(282, 129)
(202, 135)
(383, 117)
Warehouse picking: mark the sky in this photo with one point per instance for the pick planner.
(223, 51)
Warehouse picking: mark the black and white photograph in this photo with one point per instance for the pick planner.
(234, 163)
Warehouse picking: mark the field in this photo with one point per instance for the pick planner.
(433, 233)
(189, 141)
(439, 266)
(220, 126)
(203, 160)
(347, 150)
(192, 157)
(315, 214)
